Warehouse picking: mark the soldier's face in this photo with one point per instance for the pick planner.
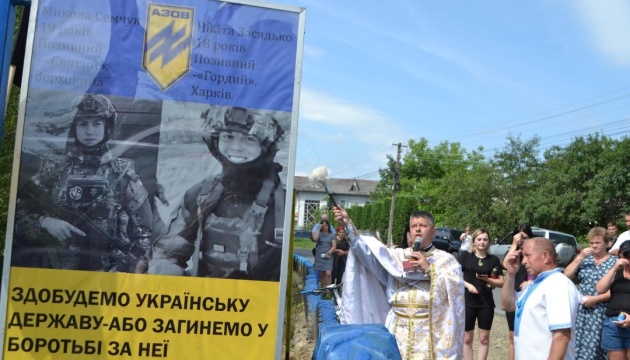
(239, 148)
(90, 131)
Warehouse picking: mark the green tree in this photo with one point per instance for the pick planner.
(517, 166)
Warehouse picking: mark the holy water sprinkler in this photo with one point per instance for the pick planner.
(320, 175)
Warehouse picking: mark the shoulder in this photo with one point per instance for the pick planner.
(494, 258)
(624, 236)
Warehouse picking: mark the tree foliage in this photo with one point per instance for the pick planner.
(567, 188)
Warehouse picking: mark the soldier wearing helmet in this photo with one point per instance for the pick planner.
(88, 211)
(228, 225)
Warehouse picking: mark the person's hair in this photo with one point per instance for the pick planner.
(423, 214)
(598, 231)
(627, 212)
(523, 228)
(403, 241)
(477, 233)
(340, 228)
(325, 222)
(612, 224)
(543, 244)
(624, 249)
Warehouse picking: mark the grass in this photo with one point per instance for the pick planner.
(301, 243)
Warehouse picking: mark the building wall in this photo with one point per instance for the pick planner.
(303, 197)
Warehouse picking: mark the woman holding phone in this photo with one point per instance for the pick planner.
(481, 274)
(616, 331)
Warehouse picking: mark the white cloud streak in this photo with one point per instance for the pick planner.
(608, 25)
(366, 125)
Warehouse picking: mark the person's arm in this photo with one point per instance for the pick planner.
(315, 235)
(497, 283)
(171, 251)
(591, 301)
(508, 295)
(559, 343)
(333, 247)
(515, 240)
(462, 236)
(471, 288)
(574, 266)
(603, 285)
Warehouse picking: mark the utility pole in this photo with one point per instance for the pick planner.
(395, 187)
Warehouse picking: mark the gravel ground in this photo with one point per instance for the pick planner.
(301, 348)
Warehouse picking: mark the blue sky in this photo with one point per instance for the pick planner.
(377, 73)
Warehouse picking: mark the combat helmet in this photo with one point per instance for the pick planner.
(247, 121)
(95, 105)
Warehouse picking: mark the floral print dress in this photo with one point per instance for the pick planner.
(590, 320)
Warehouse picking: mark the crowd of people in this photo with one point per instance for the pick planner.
(431, 302)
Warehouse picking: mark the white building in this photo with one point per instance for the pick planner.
(309, 197)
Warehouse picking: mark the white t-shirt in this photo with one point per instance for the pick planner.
(467, 243)
(549, 303)
(622, 238)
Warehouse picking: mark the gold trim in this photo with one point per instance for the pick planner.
(415, 306)
(431, 270)
(421, 316)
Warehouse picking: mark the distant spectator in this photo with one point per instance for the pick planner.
(326, 245)
(612, 235)
(378, 234)
(466, 239)
(616, 333)
(323, 216)
(590, 266)
(623, 237)
(340, 255)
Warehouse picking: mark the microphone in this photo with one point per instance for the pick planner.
(416, 244)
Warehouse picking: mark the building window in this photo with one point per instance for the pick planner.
(310, 207)
(342, 203)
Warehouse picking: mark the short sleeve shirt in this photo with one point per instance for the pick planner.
(549, 303)
(472, 265)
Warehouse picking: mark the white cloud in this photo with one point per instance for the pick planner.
(364, 124)
(607, 22)
(313, 51)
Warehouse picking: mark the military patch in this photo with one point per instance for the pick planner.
(168, 43)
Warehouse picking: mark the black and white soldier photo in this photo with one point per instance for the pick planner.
(82, 204)
(228, 223)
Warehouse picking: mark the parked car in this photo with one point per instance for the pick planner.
(447, 239)
(566, 245)
(304, 234)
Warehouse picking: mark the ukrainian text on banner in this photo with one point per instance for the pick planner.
(151, 192)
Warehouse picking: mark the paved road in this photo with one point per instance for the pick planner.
(307, 253)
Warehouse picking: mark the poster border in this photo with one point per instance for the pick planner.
(289, 205)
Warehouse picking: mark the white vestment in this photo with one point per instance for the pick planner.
(425, 314)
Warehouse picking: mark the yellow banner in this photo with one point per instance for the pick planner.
(81, 315)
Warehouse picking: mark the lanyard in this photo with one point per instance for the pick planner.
(520, 304)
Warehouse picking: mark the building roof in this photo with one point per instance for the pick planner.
(337, 186)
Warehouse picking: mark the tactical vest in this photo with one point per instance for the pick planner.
(227, 245)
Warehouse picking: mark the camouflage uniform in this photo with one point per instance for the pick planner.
(229, 225)
(93, 191)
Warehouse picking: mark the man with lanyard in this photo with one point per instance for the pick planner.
(546, 309)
